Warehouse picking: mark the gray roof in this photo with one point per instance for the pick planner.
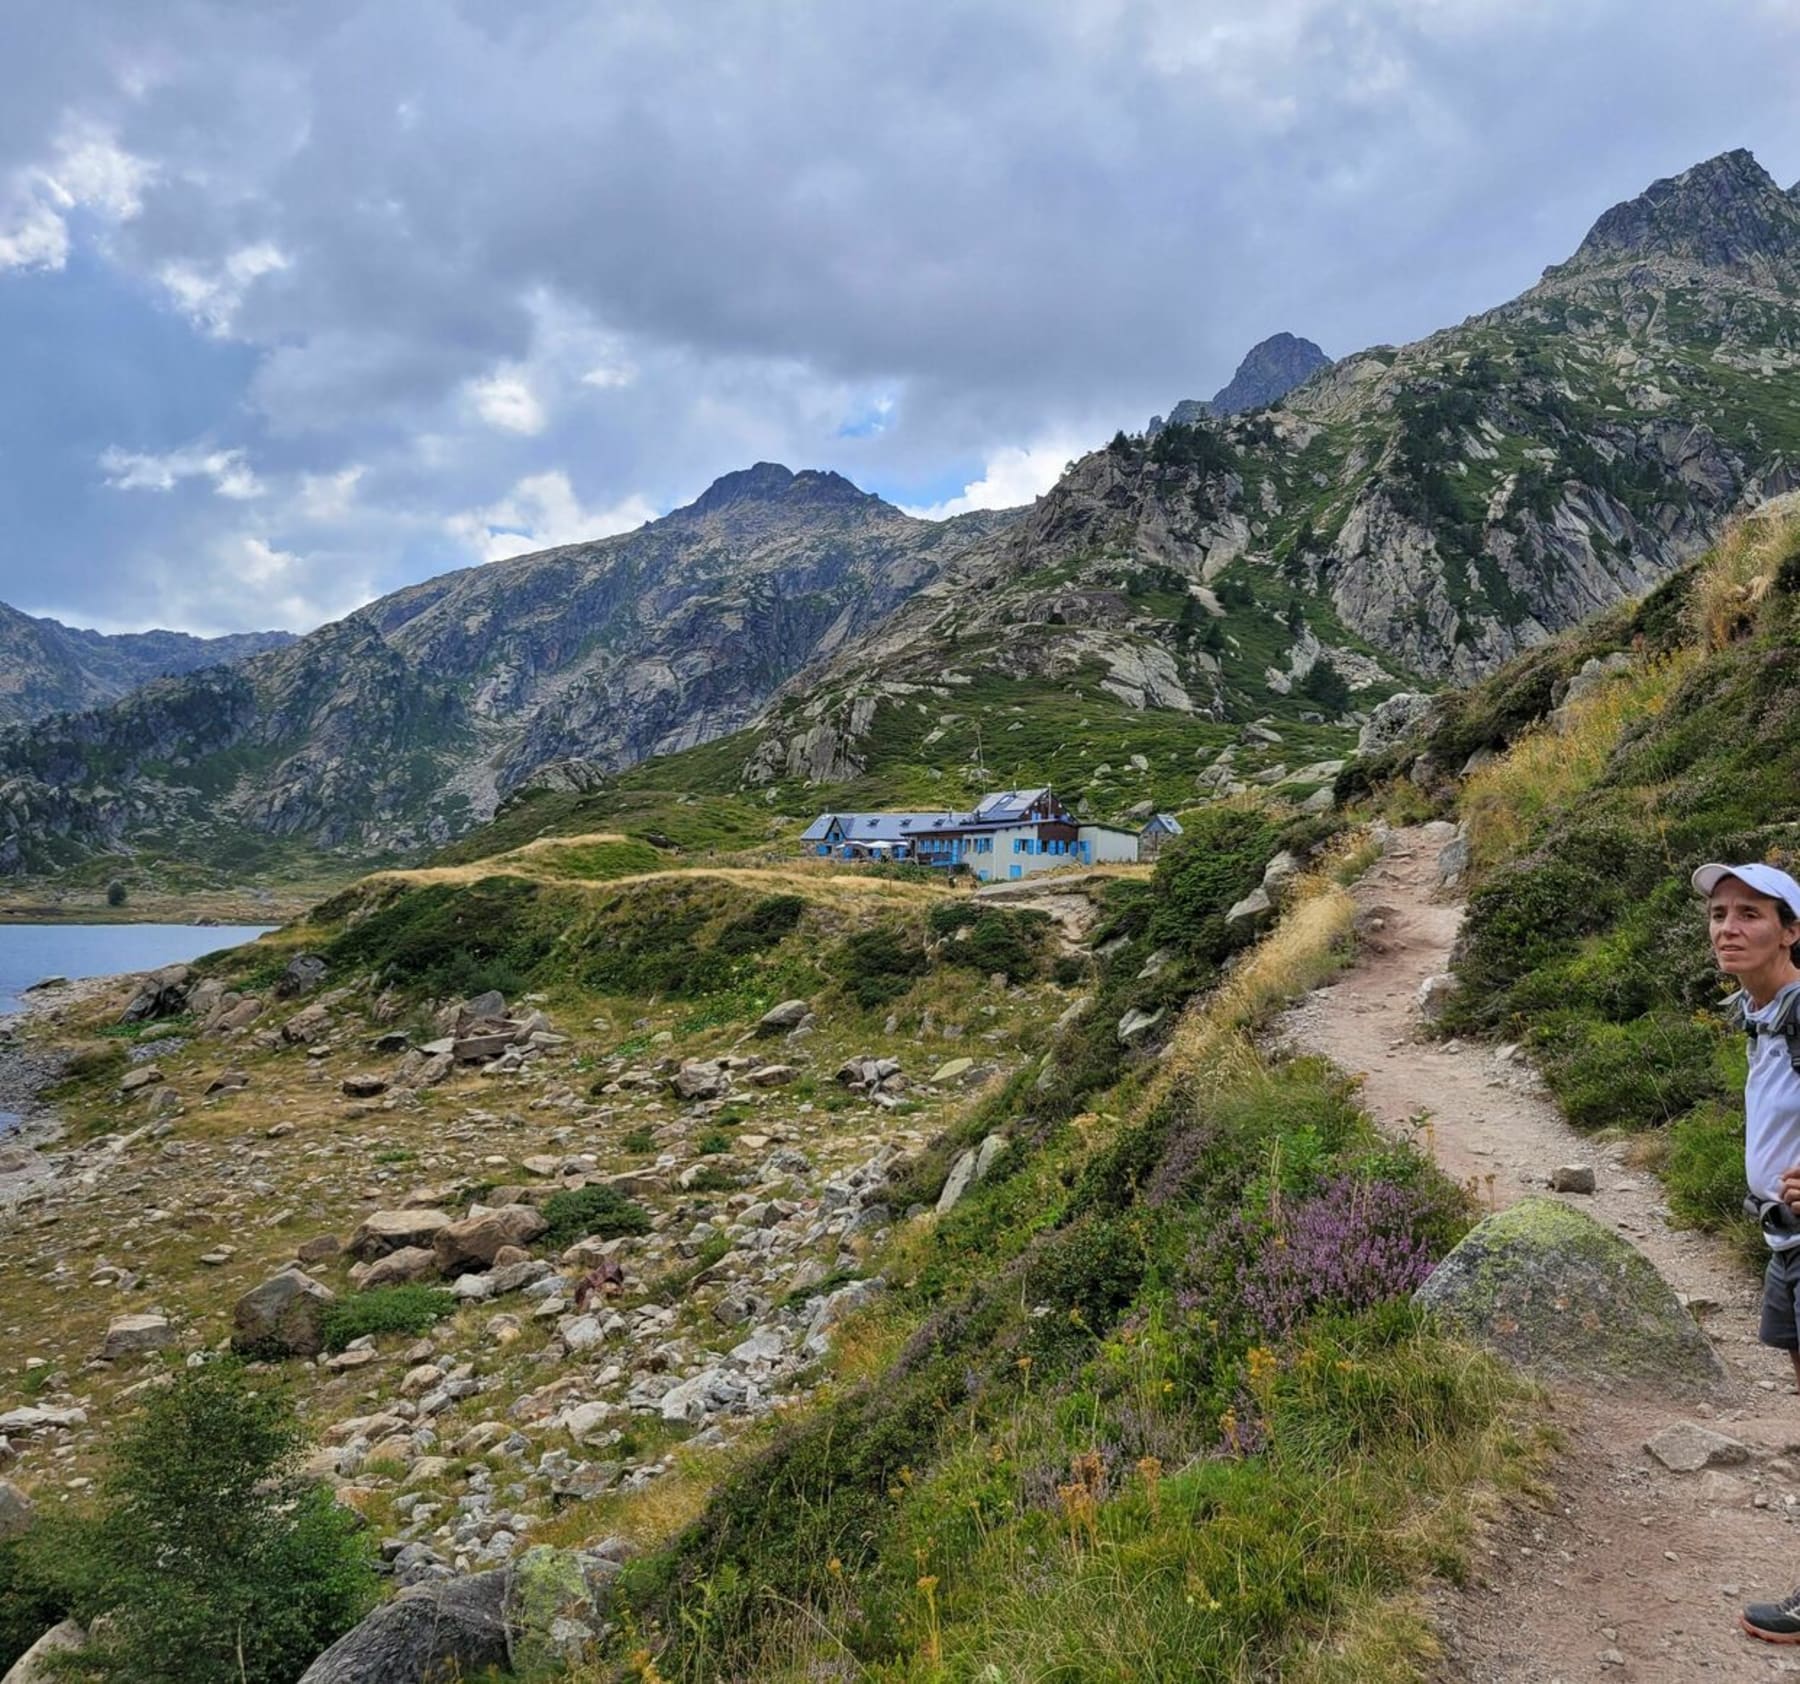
(1164, 821)
(1003, 807)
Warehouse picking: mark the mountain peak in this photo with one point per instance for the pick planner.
(1270, 370)
(1726, 213)
(772, 483)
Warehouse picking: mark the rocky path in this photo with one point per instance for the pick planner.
(1635, 1573)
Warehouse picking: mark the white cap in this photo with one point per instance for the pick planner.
(1767, 880)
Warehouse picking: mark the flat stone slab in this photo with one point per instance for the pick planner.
(1688, 1447)
(1548, 1288)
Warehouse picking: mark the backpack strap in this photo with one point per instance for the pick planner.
(1787, 1025)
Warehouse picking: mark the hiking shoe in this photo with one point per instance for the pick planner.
(1774, 1622)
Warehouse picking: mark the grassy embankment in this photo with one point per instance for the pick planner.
(1147, 1404)
(1583, 936)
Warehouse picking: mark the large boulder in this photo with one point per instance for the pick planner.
(282, 1317)
(399, 1268)
(160, 994)
(538, 1613)
(1393, 721)
(1555, 1293)
(472, 1243)
(41, 1664)
(450, 1628)
(386, 1231)
(779, 1019)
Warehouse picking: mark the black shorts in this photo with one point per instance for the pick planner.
(1781, 1297)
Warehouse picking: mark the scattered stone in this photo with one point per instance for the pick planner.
(772, 1076)
(42, 1663)
(143, 1077)
(132, 1335)
(1687, 1447)
(970, 1168)
(304, 973)
(1137, 1022)
(1453, 861)
(705, 1080)
(1434, 996)
(228, 1081)
(321, 1248)
(1253, 905)
(952, 1070)
(777, 1020)
(395, 1268)
(1572, 1178)
(363, 1087)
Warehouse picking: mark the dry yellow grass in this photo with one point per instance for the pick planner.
(1741, 570)
(1552, 763)
(1300, 952)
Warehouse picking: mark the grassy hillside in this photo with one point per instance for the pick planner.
(1583, 935)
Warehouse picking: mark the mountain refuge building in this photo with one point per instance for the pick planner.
(1009, 834)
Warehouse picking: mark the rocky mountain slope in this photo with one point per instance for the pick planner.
(47, 667)
(407, 721)
(1180, 602)
(1432, 509)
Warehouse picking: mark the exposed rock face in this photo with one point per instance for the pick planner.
(1724, 214)
(40, 1664)
(46, 667)
(1555, 1293)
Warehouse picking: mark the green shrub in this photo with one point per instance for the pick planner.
(213, 1560)
(876, 967)
(1705, 1174)
(116, 893)
(1642, 1074)
(1008, 944)
(597, 1212)
(456, 939)
(386, 1309)
(639, 1139)
(713, 1142)
(41, 1575)
(764, 925)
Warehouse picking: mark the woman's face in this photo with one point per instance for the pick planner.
(1748, 936)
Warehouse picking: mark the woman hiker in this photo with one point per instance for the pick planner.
(1753, 918)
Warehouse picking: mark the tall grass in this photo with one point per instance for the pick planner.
(1741, 571)
(1506, 802)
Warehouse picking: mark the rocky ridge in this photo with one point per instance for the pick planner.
(47, 667)
(406, 722)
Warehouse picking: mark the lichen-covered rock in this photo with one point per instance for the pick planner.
(17, 1511)
(544, 1609)
(1555, 1293)
(282, 1317)
(450, 1628)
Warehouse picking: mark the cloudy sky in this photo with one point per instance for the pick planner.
(301, 300)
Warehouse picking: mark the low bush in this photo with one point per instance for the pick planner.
(765, 925)
(998, 943)
(1642, 1074)
(875, 967)
(386, 1309)
(592, 1212)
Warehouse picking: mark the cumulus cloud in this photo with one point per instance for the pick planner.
(540, 513)
(505, 400)
(1013, 475)
(133, 470)
(212, 294)
(85, 170)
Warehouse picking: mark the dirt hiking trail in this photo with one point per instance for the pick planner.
(1636, 1573)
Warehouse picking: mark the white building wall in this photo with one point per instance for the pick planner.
(1107, 846)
